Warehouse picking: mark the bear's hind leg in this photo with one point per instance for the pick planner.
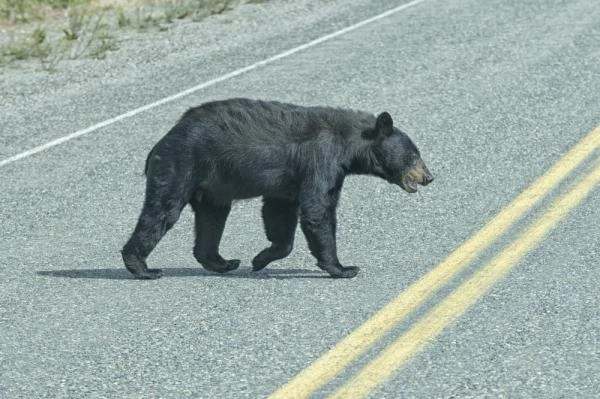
(280, 218)
(162, 207)
(210, 223)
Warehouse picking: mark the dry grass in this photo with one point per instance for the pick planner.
(51, 31)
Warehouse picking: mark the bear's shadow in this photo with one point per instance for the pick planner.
(122, 274)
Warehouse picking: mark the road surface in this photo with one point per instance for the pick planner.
(483, 284)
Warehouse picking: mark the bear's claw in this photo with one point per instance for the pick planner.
(149, 274)
(338, 271)
(139, 269)
(220, 266)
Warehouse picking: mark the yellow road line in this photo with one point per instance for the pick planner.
(360, 340)
(425, 330)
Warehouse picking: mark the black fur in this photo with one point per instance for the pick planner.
(295, 157)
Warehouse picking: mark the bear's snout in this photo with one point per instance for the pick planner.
(418, 174)
(427, 176)
(421, 174)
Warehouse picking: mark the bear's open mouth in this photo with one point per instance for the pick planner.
(409, 184)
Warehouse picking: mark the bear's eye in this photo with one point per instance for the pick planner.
(413, 160)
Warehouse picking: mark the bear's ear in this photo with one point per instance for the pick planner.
(384, 125)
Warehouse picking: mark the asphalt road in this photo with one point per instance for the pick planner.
(494, 93)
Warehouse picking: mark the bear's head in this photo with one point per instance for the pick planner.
(397, 158)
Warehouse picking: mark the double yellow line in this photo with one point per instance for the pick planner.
(332, 363)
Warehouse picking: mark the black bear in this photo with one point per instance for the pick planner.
(295, 157)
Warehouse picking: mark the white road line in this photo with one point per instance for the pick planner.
(204, 85)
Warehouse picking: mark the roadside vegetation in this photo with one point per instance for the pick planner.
(50, 31)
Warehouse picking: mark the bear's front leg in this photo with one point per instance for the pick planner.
(210, 222)
(318, 224)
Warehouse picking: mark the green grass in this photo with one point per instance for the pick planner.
(34, 46)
